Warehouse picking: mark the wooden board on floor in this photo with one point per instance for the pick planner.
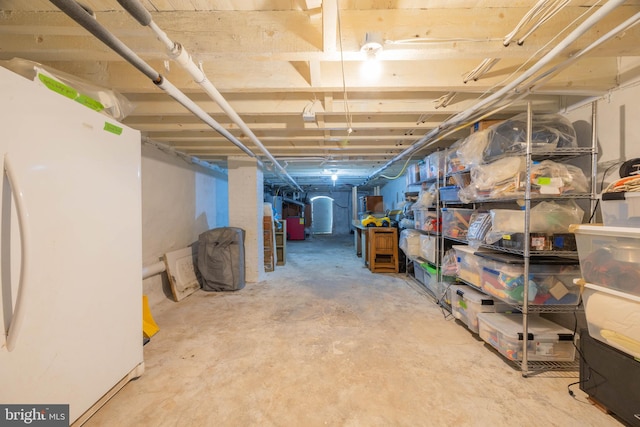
(181, 272)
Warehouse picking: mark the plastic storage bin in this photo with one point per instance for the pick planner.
(423, 170)
(613, 317)
(467, 302)
(547, 341)
(409, 242)
(449, 194)
(435, 164)
(425, 220)
(469, 265)
(413, 174)
(428, 246)
(620, 209)
(418, 272)
(455, 222)
(502, 276)
(610, 256)
(430, 276)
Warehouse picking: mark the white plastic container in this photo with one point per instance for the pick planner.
(503, 277)
(431, 278)
(507, 220)
(435, 164)
(469, 267)
(613, 317)
(610, 256)
(428, 247)
(410, 242)
(425, 220)
(621, 209)
(467, 302)
(455, 222)
(547, 341)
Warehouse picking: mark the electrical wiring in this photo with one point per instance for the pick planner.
(559, 5)
(524, 21)
(582, 359)
(538, 81)
(444, 100)
(401, 173)
(508, 78)
(536, 53)
(348, 116)
(482, 69)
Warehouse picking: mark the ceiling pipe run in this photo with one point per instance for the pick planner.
(486, 103)
(538, 81)
(179, 54)
(86, 19)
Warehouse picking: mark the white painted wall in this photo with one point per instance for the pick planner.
(393, 193)
(179, 201)
(618, 130)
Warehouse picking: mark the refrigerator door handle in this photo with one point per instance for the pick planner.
(18, 312)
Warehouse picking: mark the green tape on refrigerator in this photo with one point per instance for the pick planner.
(69, 92)
(112, 128)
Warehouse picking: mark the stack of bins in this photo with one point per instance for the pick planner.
(610, 264)
(467, 303)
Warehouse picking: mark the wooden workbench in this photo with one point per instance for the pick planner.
(361, 240)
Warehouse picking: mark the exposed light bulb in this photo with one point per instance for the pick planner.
(334, 177)
(371, 68)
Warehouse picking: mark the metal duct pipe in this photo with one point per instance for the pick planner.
(178, 53)
(76, 12)
(464, 116)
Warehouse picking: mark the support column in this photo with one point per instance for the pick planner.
(246, 201)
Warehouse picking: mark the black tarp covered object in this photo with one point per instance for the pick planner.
(221, 259)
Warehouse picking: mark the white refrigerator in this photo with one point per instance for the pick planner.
(71, 251)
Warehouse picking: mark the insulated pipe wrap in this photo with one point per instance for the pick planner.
(82, 17)
(136, 10)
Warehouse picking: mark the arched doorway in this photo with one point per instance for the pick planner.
(322, 215)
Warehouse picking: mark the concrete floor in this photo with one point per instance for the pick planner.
(324, 342)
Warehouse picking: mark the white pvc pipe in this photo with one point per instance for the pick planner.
(179, 54)
(183, 99)
(153, 269)
(182, 57)
(609, 35)
(76, 12)
(461, 117)
(575, 34)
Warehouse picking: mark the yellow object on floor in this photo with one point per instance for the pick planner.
(149, 326)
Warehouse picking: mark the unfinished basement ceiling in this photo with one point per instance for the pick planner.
(276, 61)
